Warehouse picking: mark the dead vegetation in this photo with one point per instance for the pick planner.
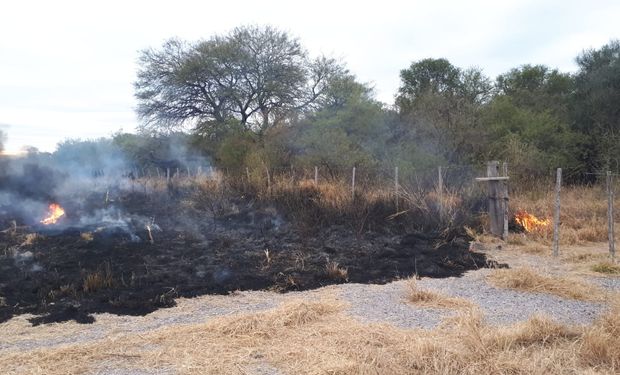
(302, 337)
(100, 279)
(432, 299)
(583, 213)
(335, 272)
(528, 280)
(606, 267)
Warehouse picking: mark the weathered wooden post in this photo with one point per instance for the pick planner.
(396, 187)
(440, 191)
(496, 196)
(610, 215)
(353, 184)
(268, 179)
(506, 199)
(247, 173)
(556, 216)
(316, 175)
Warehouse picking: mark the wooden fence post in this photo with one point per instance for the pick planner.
(316, 175)
(610, 215)
(396, 187)
(268, 179)
(506, 199)
(353, 184)
(497, 198)
(496, 207)
(440, 190)
(556, 216)
(168, 174)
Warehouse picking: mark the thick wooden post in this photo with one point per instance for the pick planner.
(556, 216)
(610, 215)
(168, 174)
(353, 184)
(247, 173)
(496, 207)
(506, 200)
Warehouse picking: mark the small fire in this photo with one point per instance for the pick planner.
(530, 222)
(54, 213)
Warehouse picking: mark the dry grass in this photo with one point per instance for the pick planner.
(528, 280)
(304, 337)
(583, 213)
(606, 267)
(335, 272)
(427, 298)
(31, 238)
(87, 236)
(100, 279)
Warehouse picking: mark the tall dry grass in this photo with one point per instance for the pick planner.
(331, 202)
(583, 212)
(303, 337)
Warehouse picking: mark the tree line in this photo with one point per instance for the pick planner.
(254, 97)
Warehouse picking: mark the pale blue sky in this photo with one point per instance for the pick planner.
(67, 67)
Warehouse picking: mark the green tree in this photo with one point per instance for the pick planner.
(538, 88)
(440, 105)
(596, 105)
(533, 142)
(348, 131)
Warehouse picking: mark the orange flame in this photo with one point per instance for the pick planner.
(54, 213)
(530, 222)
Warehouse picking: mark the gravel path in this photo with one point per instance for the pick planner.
(384, 303)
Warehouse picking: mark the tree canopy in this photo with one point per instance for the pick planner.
(255, 97)
(253, 77)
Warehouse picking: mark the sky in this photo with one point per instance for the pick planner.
(67, 67)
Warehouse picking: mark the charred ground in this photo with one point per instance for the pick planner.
(212, 237)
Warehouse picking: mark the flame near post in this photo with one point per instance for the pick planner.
(530, 222)
(54, 213)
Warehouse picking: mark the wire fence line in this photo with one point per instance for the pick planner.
(441, 179)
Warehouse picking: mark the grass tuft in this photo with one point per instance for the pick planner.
(606, 267)
(427, 298)
(528, 280)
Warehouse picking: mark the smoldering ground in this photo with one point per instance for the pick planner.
(129, 245)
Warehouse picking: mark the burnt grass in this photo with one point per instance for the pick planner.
(68, 271)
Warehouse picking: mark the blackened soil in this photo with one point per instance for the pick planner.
(68, 273)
